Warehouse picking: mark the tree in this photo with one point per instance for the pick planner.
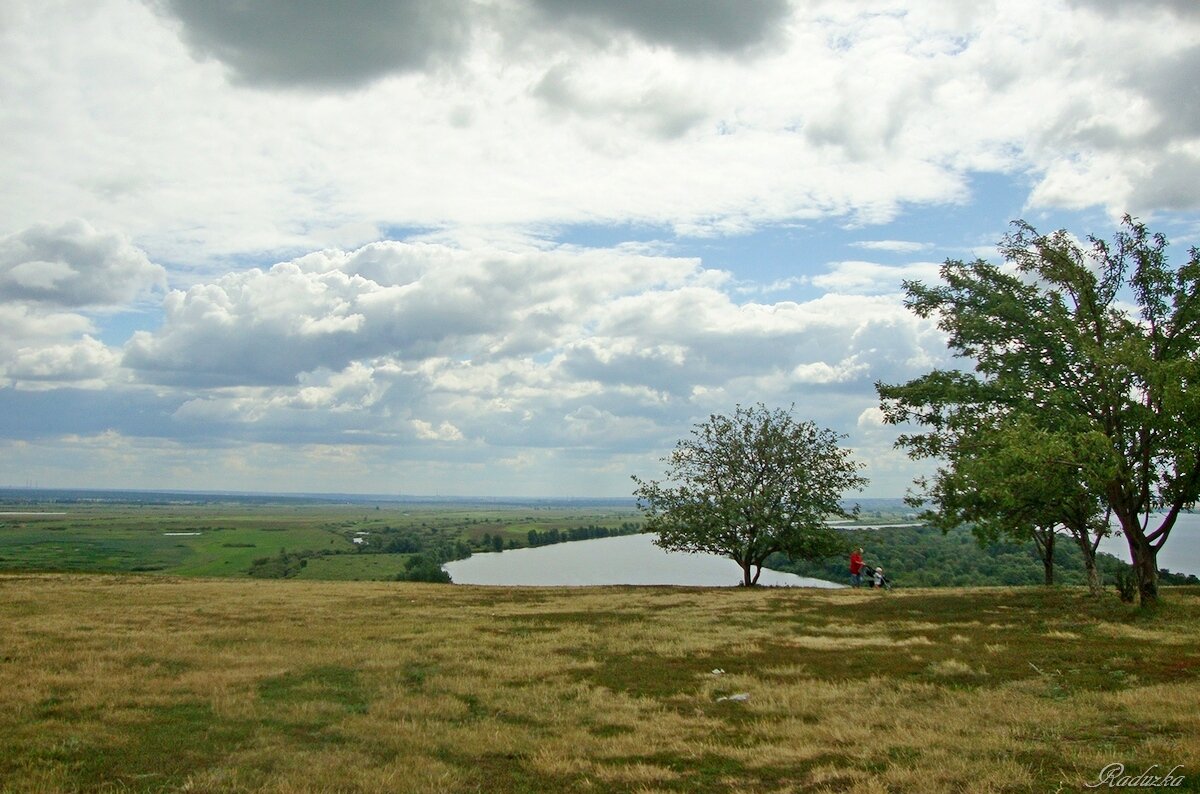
(751, 485)
(1101, 341)
(1012, 478)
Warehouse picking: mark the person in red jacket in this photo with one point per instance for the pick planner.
(856, 566)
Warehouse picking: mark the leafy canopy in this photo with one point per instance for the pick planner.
(750, 485)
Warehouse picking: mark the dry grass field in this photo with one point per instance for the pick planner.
(126, 683)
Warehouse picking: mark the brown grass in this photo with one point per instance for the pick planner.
(153, 684)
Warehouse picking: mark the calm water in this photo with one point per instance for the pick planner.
(630, 559)
(1182, 552)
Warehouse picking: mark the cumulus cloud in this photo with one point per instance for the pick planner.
(51, 278)
(471, 349)
(73, 265)
(403, 301)
(473, 354)
(86, 362)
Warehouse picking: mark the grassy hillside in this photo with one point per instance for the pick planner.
(160, 683)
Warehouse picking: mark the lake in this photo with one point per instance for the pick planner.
(629, 559)
(1181, 554)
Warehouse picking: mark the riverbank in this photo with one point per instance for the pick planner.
(160, 683)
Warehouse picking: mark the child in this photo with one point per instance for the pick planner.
(879, 577)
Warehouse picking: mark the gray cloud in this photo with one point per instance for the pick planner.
(321, 45)
(687, 25)
(316, 44)
(1182, 8)
(1171, 84)
(73, 265)
(661, 111)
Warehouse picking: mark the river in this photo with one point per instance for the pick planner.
(1181, 553)
(629, 559)
(634, 559)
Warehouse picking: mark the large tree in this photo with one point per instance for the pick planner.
(750, 485)
(1094, 341)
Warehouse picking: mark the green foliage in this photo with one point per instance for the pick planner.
(283, 565)
(749, 486)
(422, 568)
(589, 532)
(1052, 344)
(928, 557)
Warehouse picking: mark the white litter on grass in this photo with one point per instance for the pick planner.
(740, 697)
(718, 671)
(179, 534)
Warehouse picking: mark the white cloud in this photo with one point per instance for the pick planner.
(866, 278)
(895, 246)
(443, 432)
(73, 265)
(86, 362)
(480, 353)
(406, 302)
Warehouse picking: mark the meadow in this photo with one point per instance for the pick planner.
(225, 538)
(163, 683)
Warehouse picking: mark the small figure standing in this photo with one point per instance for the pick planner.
(879, 578)
(856, 566)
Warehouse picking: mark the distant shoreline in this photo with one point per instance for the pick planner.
(178, 496)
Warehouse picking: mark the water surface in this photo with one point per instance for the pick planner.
(1181, 553)
(630, 559)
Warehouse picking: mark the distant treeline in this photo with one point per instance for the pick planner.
(925, 557)
(589, 532)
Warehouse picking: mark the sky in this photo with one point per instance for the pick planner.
(520, 247)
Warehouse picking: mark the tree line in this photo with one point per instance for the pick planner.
(927, 556)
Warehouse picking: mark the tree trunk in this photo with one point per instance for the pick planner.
(747, 579)
(1048, 557)
(1143, 555)
(1145, 568)
(1083, 539)
(1043, 540)
(1093, 576)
